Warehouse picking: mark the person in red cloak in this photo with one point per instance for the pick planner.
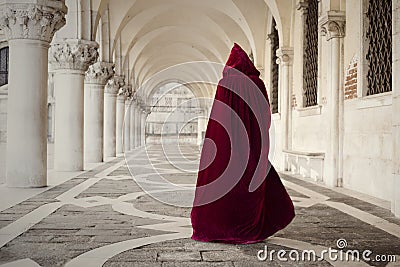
(239, 196)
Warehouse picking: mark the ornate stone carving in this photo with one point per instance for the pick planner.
(99, 73)
(32, 21)
(284, 56)
(120, 80)
(333, 24)
(126, 91)
(73, 54)
(302, 6)
(121, 92)
(115, 85)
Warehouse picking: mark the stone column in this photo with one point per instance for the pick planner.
(396, 106)
(200, 127)
(70, 59)
(110, 116)
(132, 124)
(133, 127)
(143, 127)
(29, 28)
(332, 26)
(120, 121)
(127, 119)
(96, 79)
(285, 60)
(137, 126)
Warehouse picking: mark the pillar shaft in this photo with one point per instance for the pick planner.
(110, 116)
(137, 126)
(29, 29)
(333, 177)
(27, 114)
(68, 144)
(110, 109)
(95, 80)
(201, 121)
(143, 129)
(93, 122)
(132, 126)
(120, 123)
(127, 120)
(285, 59)
(70, 59)
(332, 26)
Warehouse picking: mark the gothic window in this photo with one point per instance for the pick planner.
(274, 68)
(3, 66)
(379, 42)
(310, 55)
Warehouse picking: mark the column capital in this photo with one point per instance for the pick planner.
(73, 54)
(34, 20)
(284, 55)
(302, 6)
(333, 24)
(121, 93)
(128, 91)
(99, 73)
(120, 80)
(114, 84)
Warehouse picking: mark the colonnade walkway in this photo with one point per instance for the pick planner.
(103, 217)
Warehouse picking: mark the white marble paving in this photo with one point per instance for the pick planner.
(175, 227)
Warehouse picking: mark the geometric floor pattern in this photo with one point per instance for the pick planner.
(105, 217)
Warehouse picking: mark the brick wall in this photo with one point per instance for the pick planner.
(350, 85)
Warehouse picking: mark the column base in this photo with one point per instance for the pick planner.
(93, 158)
(68, 167)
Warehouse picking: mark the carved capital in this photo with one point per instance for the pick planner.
(302, 6)
(128, 88)
(333, 24)
(120, 80)
(121, 91)
(73, 54)
(99, 73)
(284, 56)
(128, 91)
(32, 20)
(114, 85)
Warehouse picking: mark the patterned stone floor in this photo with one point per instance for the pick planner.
(104, 217)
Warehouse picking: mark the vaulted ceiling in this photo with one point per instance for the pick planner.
(155, 40)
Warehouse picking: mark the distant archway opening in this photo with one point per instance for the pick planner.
(174, 115)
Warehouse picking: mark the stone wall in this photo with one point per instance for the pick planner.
(3, 132)
(396, 108)
(367, 145)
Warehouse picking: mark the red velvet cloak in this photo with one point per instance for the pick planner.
(239, 196)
